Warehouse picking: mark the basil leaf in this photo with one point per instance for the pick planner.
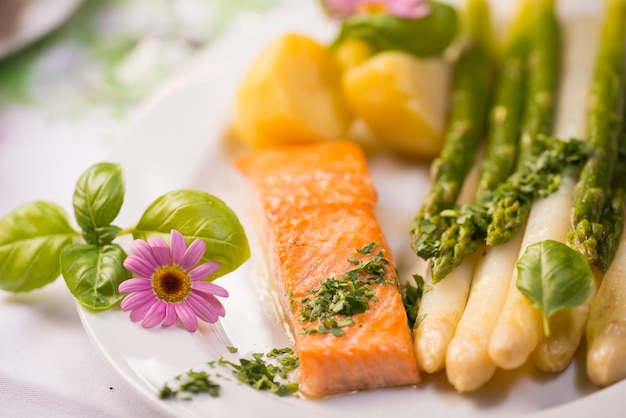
(554, 277)
(198, 215)
(428, 36)
(98, 197)
(93, 273)
(101, 235)
(31, 239)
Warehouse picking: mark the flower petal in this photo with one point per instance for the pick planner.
(193, 254)
(162, 255)
(208, 288)
(170, 315)
(178, 245)
(341, 9)
(217, 306)
(157, 242)
(135, 300)
(138, 266)
(202, 308)
(155, 315)
(187, 317)
(141, 249)
(408, 9)
(134, 285)
(204, 270)
(139, 314)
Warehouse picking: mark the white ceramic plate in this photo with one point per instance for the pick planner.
(37, 18)
(180, 140)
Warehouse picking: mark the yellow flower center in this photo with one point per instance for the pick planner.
(171, 284)
(373, 7)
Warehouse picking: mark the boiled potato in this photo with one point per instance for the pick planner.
(291, 94)
(402, 99)
(351, 53)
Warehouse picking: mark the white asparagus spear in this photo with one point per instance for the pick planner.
(519, 327)
(442, 306)
(443, 303)
(468, 366)
(606, 326)
(555, 352)
(579, 51)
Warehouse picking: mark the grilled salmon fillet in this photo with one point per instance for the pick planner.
(317, 209)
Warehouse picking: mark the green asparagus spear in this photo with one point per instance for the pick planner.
(613, 217)
(605, 104)
(453, 234)
(470, 100)
(497, 215)
(506, 113)
(544, 69)
(544, 65)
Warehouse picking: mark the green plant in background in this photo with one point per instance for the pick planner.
(111, 53)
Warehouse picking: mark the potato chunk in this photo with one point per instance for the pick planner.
(403, 100)
(291, 94)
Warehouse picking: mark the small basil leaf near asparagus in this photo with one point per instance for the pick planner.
(605, 110)
(544, 69)
(554, 277)
(470, 100)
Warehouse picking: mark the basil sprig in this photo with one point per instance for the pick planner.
(37, 241)
(554, 277)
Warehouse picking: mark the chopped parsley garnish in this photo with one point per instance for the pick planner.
(337, 300)
(411, 297)
(191, 383)
(262, 374)
(268, 372)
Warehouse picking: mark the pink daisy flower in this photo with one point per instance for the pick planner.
(169, 286)
(407, 9)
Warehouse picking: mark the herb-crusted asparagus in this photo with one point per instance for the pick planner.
(497, 214)
(469, 223)
(603, 131)
(442, 305)
(470, 101)
(544, 68)
(454, 232)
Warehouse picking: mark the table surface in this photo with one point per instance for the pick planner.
(64, 100)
